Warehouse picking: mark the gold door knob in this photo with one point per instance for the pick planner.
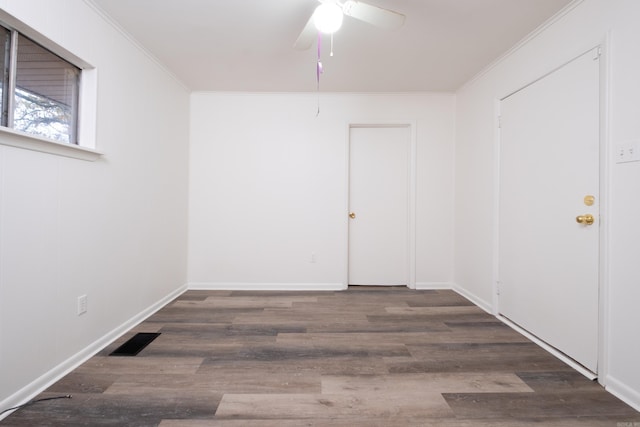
(352, 215)
(587, 219)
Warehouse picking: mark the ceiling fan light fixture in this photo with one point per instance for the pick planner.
(328, 18)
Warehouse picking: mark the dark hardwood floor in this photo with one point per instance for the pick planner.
(362, 357)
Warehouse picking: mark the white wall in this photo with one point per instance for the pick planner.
(114, 229)
(582, 28)
(268, 186)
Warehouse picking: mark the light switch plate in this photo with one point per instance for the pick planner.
(627, 152)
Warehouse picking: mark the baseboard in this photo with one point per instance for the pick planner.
(425, 286)
(255, 286)
(49, 378)
(474, 299)
(239, 286)
(623, 392)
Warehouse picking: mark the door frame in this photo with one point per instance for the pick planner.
(604, 230)
(411, 184)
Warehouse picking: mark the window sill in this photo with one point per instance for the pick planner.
(14, 138)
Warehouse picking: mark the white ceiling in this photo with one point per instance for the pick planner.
(247, 45)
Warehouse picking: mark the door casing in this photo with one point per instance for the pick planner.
(411, 229)
(604, 230)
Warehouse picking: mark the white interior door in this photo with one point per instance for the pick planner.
(548, 262)
(379, 205)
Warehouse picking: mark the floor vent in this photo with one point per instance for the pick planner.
(135, 344)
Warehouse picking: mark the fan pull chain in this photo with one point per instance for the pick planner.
(331, 54)
(319, 70)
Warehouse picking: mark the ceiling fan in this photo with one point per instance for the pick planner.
(374, 15)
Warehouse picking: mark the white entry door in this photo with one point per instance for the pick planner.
(549, 182)
(379, 205)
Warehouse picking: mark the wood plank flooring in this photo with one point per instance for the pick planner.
(361, 357)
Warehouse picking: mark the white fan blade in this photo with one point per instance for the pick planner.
(308, 35)
(383, 18)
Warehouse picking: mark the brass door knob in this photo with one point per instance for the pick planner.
(587, 219)
(352, 215)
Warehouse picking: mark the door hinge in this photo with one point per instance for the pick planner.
(499, 122)
(597, 53)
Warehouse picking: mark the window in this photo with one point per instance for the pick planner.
(48, 94)
(40, 90)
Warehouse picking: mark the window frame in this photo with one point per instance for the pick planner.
(5, 62)
(83, 146)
